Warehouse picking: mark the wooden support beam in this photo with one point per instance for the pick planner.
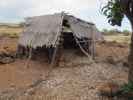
(58, 39)
(93, 44)
(54, 56)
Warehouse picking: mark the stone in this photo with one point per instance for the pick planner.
(6, 60)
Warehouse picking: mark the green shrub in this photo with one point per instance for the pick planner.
(127, 88)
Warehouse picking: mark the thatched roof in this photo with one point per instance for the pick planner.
(82, 28)
(46, 30)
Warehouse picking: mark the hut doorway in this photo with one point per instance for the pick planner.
(69, 41)
(72, 42)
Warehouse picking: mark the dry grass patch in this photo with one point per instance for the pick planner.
(118, 38)
(10, 31)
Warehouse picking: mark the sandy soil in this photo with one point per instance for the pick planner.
(76, 78)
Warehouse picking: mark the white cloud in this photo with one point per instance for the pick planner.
(37, 7)
(13, 10)
(51, 6)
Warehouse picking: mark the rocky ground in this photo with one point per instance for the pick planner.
(76, 78)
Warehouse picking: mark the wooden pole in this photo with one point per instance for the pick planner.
(54, 56)
(57, 47)
(29, 58)
(81, 47)
(93, 43)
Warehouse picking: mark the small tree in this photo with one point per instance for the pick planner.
(115, 10)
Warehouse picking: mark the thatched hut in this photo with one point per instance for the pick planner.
(57, 31)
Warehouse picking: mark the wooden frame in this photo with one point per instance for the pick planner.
(57, 47)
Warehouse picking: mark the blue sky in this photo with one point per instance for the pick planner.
(89, 10)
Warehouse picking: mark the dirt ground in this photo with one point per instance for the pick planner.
(76, 78)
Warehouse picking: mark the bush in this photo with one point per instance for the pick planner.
(127, 87)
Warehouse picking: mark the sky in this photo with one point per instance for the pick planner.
(14, 11)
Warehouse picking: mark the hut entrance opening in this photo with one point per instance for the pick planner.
(68, 37)
(69, 41)
(72, 42)
(43, 54)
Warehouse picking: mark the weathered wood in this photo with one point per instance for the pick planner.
(93, 44)
(57, 47)
(29, 58)
(54, 56)
(130, 58)
(86, 53)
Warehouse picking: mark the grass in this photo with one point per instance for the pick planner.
(118, 38)
(10, 31)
